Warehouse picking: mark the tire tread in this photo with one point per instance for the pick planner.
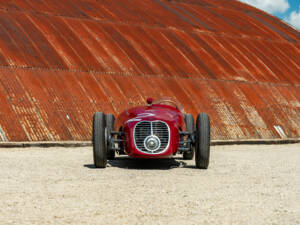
(203, 141)
(99, 142)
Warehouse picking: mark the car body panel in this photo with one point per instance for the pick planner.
(171, 115)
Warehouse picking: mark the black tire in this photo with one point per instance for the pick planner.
(99, 140)
(190, 127)
(202, 141)
(110, 122)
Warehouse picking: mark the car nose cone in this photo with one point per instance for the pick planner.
(152, 143)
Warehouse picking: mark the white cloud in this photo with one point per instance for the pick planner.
(294, 19)
(270, 6)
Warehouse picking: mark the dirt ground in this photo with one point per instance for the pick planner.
(245, 184)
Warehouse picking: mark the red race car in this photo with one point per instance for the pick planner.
(157, 130)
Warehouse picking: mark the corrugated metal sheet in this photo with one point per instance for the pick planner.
(63, 60)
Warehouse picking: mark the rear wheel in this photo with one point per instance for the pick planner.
(99, 140)
(110, 122)
(202, 141)
(190, 127)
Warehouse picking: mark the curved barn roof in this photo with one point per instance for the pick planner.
(62, 60)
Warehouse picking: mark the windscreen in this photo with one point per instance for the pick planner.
(169, 101)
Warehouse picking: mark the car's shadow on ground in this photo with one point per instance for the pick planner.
(145, 164)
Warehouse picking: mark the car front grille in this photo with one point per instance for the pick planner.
(145, 129)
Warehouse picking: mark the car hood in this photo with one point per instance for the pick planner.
(151, 113)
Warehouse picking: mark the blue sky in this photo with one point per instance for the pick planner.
(287, 10)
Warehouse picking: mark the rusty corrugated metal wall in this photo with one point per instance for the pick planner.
(63, 60)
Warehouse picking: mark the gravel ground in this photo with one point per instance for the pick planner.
(245, 184)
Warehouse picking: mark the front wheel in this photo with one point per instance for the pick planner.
(202, 141)
(99, 140)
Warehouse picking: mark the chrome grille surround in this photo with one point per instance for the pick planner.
(146, 129)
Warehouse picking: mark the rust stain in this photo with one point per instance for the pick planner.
(63, 60)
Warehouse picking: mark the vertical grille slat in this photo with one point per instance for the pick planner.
(145, 129)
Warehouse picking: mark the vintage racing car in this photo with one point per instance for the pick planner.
(159, 129)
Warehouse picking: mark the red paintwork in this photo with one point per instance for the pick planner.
(166, 113)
